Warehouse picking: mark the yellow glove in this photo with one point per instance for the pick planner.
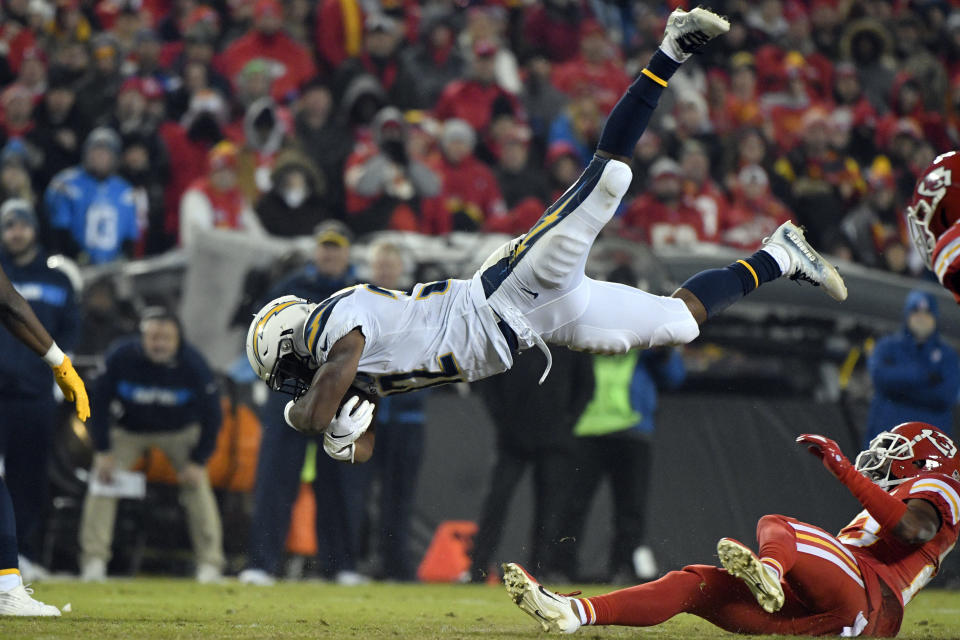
(72, 387)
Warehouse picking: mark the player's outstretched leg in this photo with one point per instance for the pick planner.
(785, 253)
(15, 599)
(762, 578)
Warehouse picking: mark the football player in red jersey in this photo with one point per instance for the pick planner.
(805, 581)
(932, 219)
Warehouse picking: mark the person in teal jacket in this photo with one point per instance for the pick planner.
(614, 440)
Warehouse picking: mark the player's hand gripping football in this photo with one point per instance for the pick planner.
(829, 453)
(352, 421)
(72, 387)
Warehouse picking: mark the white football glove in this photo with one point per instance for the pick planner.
(350, 423)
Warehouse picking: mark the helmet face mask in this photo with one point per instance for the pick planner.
(906, 451)
(291, 373)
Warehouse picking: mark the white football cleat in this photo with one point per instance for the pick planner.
(18, 602)
(741, 562)
(552, 610)
(688, 31)
(805, 263)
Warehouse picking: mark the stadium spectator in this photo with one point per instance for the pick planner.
(293, 64)
(16, 103)
(692, 123)
(98, 92)
(563, 167)
(525, 189)
(597, 70)
(872, 228)
(323, 139)
(169, 400)
(386, 187)
(430, 64)
(476, 97)
(145, 167)
(906, 101)
(541, 100)
(848, 96)
(662, 217)
(91, 208)
(400, 443)
(578, 125)
(487, 23)
(614, 436)
(60, 128)
(106, 317)
(26, 391)
(755, 212)
(551, 26)
(294, 206)
(216, 201)
(470, 195)
(339, 488)
(817, 182)
(744, 103)
(701, 191)
(15, 173)
(534, 425)
(189, 142)
(380, 56)
(265, 128)
(915, 372)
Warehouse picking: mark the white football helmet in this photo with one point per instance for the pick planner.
(275, 346)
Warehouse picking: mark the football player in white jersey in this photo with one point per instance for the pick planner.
(531, 292)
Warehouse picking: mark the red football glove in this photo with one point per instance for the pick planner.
(884, 508)
(829, 453)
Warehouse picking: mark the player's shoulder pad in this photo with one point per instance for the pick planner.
(944, 489)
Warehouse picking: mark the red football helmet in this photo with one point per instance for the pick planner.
(906, 451)
(935, 205)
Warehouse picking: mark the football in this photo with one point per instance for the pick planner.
(363, 395)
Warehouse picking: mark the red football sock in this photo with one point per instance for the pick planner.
(647, 604)
(778, 543)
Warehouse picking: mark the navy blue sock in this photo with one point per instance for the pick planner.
(8, 531)
(629, 118)
(717, 289)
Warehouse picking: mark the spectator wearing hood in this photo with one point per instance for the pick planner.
(189, 141)
(325, 142)
(91, 209)
(386, 187)
(265, 129)
(429, 65)
(216, 200)
(470, 196)
(867, 43)
(662, 217)
(915, 373)
(294, 206)
(293, 63)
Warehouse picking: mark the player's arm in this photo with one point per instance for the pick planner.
(913, 521)
(919, 524)
(312, 413)
(17, 316)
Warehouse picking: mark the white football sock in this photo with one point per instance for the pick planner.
(779, 254)
(9, 581)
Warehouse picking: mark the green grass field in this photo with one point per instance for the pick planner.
(167, 609)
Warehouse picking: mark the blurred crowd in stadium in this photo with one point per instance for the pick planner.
(130, 123)
(126, 126)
